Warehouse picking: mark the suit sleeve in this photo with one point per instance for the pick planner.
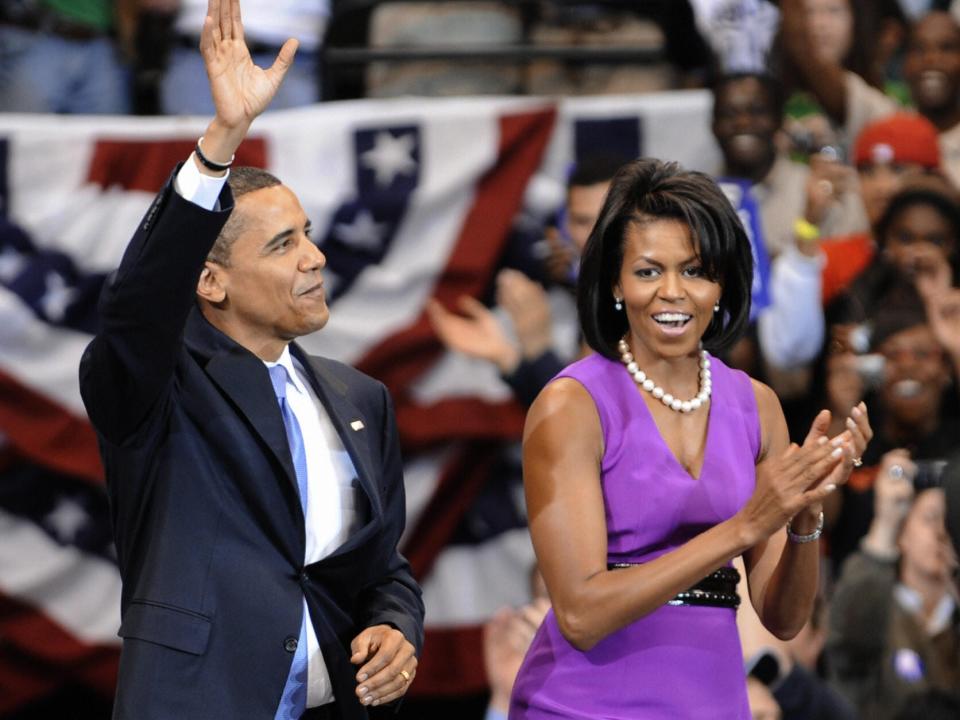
(144, 306)
(394, 598)
(532, 376)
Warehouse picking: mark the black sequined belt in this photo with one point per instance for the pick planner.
(718, 589)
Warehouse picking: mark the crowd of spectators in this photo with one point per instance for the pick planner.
(839, 127)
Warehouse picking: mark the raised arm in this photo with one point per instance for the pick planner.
(824, 78)
(562, 454)
(144, 308)
(241, 91)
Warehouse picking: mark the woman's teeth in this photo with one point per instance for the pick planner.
(672, 319)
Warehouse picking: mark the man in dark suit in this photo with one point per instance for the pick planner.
(256, 492)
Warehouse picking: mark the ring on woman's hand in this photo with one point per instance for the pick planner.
(406, 675)
(857, 461)
(895, 471)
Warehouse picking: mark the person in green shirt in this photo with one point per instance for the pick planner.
(60, 56)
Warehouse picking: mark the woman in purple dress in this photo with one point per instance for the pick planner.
(650, 465)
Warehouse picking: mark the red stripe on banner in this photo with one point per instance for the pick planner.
(451, 663)
(37, 656)
(401, 358)
(459, 484)
(146, 164)
(22, 682)
(48, 435)
(424, 426)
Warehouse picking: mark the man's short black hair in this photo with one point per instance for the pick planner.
(242, 180)
(771, 85)
(649, 189)
(594, 169)
(943, 205)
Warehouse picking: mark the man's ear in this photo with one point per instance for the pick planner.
(210, 286)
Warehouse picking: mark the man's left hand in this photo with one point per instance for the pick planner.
(387, 664)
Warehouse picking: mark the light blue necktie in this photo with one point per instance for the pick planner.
(293, 702)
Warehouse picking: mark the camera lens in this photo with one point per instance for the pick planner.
(929, 474)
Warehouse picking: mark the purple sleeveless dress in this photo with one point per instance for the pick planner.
(678, 661)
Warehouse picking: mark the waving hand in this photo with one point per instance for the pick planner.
(240, 89)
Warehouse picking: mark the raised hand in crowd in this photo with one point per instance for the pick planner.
(560, 258)
(822, 74)
(943, 312)
(846, 384)
(506, 637)
(928, 266)
(527, 304)
(478, 333)
(893, 495)
(829, 180)
(475, 331)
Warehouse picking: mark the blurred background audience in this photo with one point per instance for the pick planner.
(894, 626)
(65, 56)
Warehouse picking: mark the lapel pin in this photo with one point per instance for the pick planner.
(357, 424)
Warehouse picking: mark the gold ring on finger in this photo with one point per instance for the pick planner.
(406, 675)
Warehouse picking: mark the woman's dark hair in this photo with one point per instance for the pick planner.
(880, 279)
(649, 189)
(911, 197)
(899, 310)
(931, 704)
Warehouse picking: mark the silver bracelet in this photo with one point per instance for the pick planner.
(815, 535)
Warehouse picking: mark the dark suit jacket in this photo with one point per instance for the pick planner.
(207, 521)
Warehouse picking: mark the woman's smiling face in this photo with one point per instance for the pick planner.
(667, 297)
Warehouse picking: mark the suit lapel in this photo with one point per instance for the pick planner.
(244, 379)
(352, 428)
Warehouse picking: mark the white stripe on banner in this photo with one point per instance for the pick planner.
(78, 591)
(421, 475)
(399, 285)
(469, 583)
(40, 356)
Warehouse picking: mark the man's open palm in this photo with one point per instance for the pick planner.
(240, 89)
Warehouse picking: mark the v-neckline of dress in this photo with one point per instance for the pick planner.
(663, 441)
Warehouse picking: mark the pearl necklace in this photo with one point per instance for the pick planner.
(640, 377)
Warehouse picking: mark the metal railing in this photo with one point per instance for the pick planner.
(339, 58)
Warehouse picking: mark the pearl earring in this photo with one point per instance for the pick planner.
(716, 308)
(618, 304)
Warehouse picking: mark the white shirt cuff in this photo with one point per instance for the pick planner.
(200, 189)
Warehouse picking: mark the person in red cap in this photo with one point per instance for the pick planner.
(888, 153)
(931, 69)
